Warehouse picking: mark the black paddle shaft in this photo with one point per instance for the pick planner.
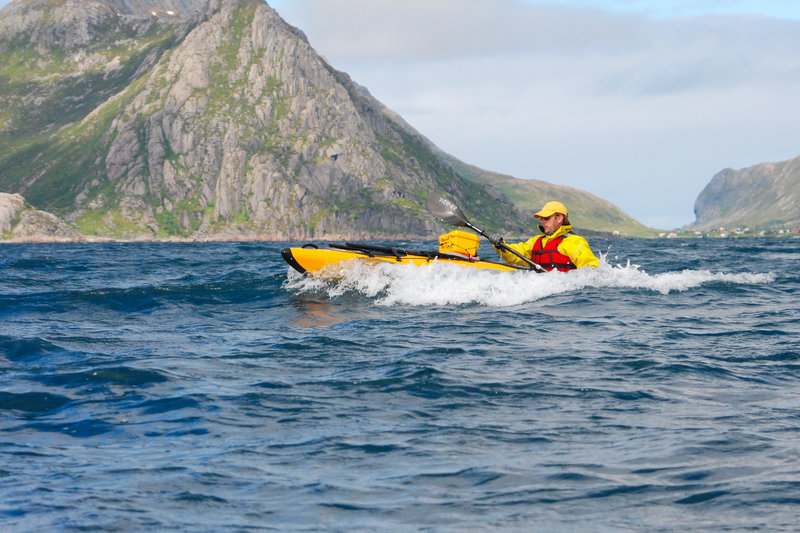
(450, 213)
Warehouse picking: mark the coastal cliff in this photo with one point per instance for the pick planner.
(213, 120)
(764, 196)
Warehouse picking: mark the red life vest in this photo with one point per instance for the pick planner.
(549, 257)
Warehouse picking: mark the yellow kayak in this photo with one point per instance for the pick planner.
(311, 258)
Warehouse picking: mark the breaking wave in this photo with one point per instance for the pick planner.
(448, 284)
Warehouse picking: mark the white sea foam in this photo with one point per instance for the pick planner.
(447, 284)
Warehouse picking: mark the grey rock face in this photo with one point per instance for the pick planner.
(21, 223)
(764, 195)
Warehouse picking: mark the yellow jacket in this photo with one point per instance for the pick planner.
(573, 246)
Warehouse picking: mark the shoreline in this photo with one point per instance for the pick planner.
(367, 238)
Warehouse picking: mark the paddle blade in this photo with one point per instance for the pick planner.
(445, 210)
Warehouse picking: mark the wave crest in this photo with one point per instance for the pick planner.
(447, 284)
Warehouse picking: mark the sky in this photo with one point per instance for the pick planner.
(640, 102)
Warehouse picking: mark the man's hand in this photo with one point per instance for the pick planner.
(496, 240)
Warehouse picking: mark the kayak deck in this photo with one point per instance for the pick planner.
(311, 258)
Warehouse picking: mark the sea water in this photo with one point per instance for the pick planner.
(208, 387)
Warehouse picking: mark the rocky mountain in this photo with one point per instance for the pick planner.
(22, 223)
(764, 196)
(214, 119)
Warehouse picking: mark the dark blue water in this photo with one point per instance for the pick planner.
(204, 387)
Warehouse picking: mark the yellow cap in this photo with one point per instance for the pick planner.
(550, 208)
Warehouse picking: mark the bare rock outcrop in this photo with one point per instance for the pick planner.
(21, 223)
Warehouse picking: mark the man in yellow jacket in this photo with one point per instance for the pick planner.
(557, 248)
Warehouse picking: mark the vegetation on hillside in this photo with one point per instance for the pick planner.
(230, 125)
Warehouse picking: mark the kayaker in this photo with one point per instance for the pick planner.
(557, 247)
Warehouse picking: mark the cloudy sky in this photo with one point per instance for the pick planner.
(639, 102)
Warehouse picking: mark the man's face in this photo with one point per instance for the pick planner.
(552, 223)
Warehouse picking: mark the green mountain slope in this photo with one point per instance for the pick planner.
(216, 120)
(587, 212)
